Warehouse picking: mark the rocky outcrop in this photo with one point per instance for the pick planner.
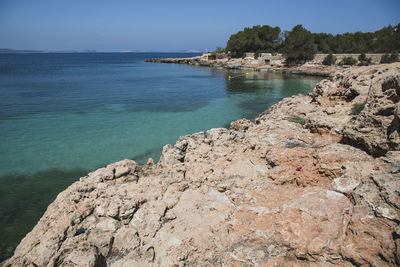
(304, 184)
(376, 129)
(312, 69)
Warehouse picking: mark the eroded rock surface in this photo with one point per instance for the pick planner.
(267, 192)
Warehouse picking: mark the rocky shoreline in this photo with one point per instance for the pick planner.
(252, 65)
(312, 181)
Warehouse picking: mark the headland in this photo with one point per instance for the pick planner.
(266, 62)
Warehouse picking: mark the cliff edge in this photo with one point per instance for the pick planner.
(312, 181)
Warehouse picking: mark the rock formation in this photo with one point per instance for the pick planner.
(307, 183)
(309, 68)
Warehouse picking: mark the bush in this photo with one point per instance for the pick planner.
(298, 120)
(364, 60)
(385, 59)
(348, 61)
(357, 108)
(394, 57)
(329, 60)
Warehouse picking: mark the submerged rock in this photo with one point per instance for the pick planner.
(237, 197)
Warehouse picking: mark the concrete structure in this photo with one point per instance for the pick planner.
(268, 58)
(249, 55)
(220, 56)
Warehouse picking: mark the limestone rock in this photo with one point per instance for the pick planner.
(376, 129)
(345, 185)
(267, 192)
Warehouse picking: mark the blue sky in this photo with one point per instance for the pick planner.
(175, 25)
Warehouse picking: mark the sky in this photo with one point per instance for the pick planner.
(175, 25)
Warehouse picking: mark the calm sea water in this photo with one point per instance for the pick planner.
(63, 115)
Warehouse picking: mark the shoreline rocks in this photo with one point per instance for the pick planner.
(239, 64)
(274, 191)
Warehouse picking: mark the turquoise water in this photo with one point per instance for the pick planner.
(63, 115)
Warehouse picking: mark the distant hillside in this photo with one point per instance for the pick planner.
(195, 51)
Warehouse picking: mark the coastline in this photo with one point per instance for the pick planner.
(195, 109)
(246, 64)
(275, 190)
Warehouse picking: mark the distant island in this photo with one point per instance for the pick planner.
(15, 51)
(18, 51)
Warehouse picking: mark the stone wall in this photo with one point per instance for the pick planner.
(267, 57)
(376, 58)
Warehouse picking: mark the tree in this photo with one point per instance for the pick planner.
(255, 39)
(385, 40)
(299, 46)
(322, 40)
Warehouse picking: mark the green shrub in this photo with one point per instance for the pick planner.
(329, 60)
(385, 59)
(364, 60)
(348, 61)
(394, 57)
(298, 120)
(357, 108)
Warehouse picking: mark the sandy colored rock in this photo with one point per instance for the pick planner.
(266, 192)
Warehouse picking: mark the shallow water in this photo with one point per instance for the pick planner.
(63, 115)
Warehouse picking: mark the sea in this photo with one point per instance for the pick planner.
(64, 115)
